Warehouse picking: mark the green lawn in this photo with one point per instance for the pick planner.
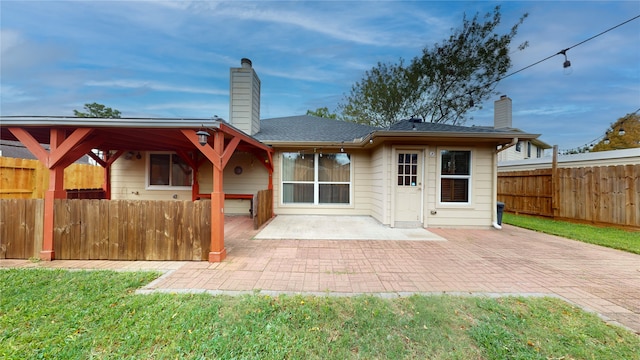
(56, 314)
(605, 236)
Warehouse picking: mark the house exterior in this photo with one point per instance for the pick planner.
(411, 174)
(524, 148)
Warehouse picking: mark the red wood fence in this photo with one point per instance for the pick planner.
(115, 229)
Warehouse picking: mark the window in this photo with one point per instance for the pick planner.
(407, 169)
(519, 146)
(168, 170)
(316, 178)
(455, 176)
(528, 149)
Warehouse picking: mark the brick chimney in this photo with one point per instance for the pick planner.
(502, 117)
(244, 98)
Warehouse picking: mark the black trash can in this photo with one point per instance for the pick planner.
(500, 211)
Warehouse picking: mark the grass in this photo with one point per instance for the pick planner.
(625, 240)
(56, 314)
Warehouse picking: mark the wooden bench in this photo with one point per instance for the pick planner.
(233, 197)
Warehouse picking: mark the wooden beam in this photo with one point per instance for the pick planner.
(79, 151)
(229, 150)
(97, 159)
(205, 149)
(58, 153)
(31, 144)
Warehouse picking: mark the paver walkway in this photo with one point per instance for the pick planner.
(493, 262)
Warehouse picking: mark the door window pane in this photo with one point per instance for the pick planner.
(407, 169)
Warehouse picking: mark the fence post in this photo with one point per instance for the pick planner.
(555, 183)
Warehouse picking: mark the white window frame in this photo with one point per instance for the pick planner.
(147, 170)
(316, 182)
(468, 177)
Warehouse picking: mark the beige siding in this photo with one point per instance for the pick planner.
(431, 184)
(479, 213)
(128, 182)
(372, 186)
(379, 187)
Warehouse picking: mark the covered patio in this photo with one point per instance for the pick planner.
(194, 140)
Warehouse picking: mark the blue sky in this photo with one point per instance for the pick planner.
(172, 58)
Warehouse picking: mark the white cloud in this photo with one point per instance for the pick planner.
(155, 86)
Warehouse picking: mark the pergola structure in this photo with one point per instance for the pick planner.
(70, 138)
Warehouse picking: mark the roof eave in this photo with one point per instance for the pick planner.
(148, 123)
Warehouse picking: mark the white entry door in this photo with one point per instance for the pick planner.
(408, 188)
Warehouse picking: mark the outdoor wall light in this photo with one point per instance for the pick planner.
(203, 136)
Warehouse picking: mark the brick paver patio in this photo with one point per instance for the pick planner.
(493, 262)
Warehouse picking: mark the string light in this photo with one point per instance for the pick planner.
(604, 138)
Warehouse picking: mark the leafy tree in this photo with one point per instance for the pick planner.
(615, 139)
(442, 84)
(96, 110)
(322, 112)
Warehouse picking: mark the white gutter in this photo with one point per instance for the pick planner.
(512, 143)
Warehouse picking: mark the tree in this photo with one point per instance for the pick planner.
(322, 112)
(442, 84)
(623, 134)
(96, 110)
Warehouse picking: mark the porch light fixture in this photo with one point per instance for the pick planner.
(342, 147)
(203, 136)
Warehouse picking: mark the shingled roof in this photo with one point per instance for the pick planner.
(418, 125)
(308, 128)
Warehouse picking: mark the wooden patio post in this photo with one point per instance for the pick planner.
(55, 191)
(218, 251)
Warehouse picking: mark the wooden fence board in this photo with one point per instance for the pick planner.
(109, 229)
(600, 194)
(21, 227)
(264, 207)
(29, 179)
(15, 238)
